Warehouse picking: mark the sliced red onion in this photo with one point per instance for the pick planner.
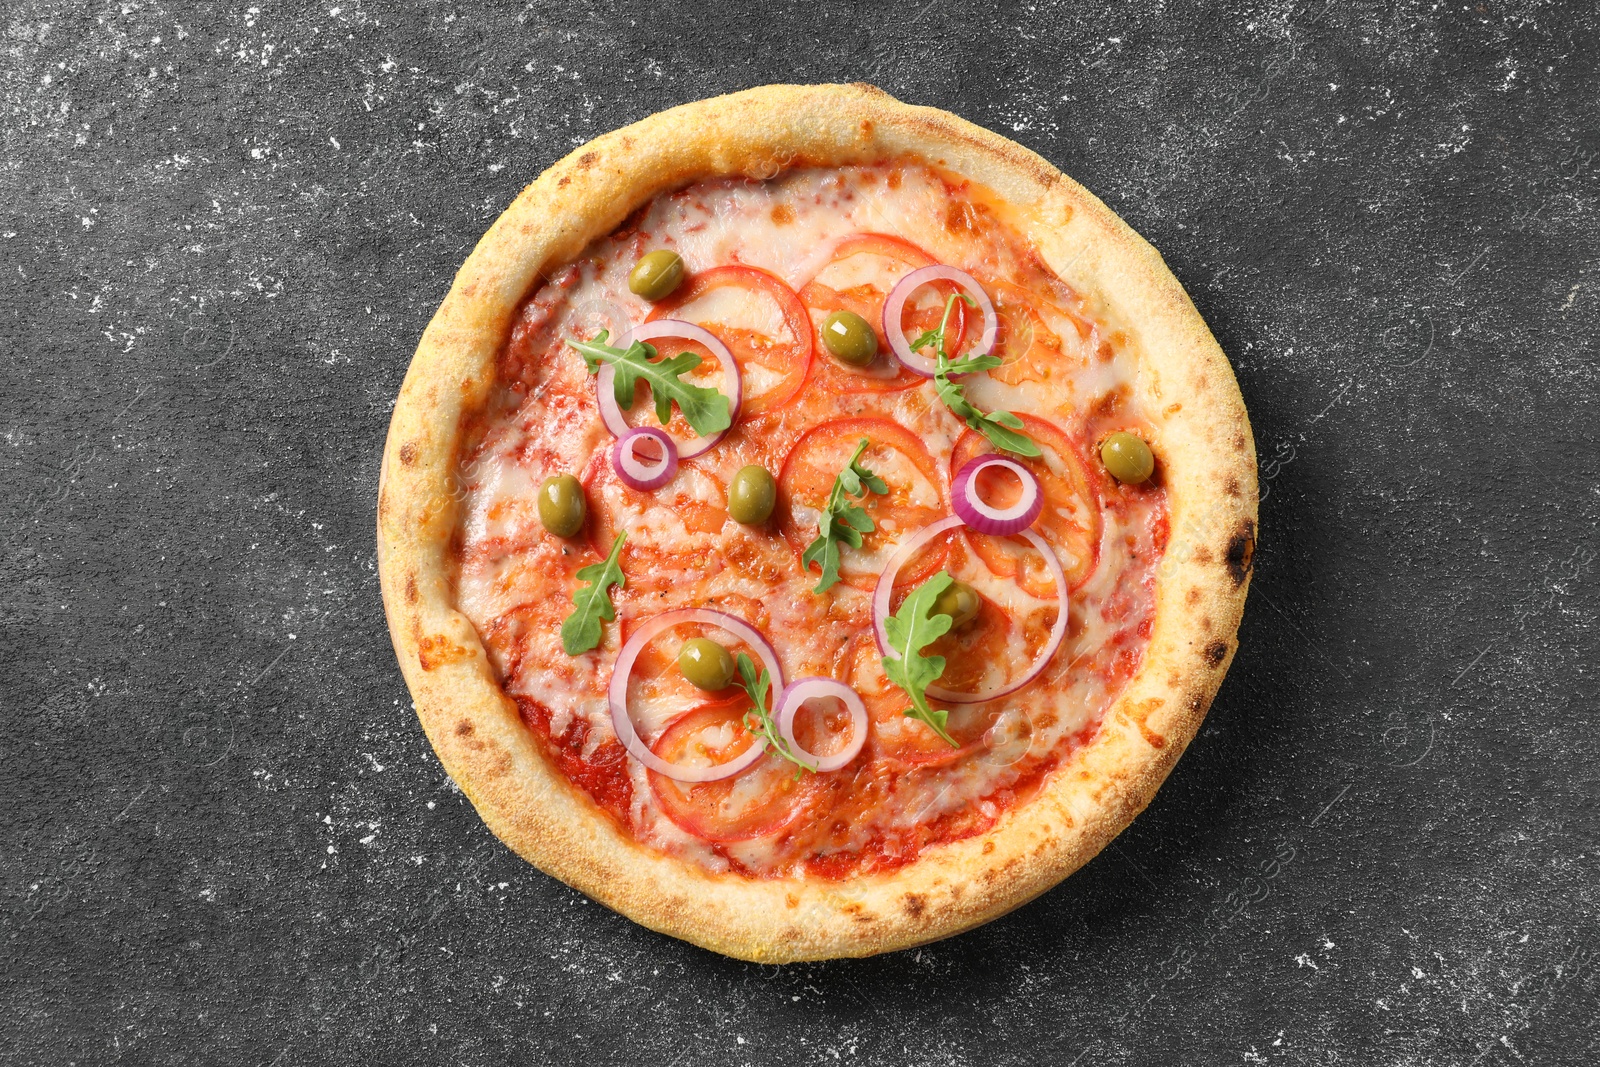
(794, 697)
(617, 694)
(641, 474)
(882, 592)
(605, 382)
(894, 309)
(885, 589)
(983, 516)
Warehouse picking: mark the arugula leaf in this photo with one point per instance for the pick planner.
(705, 409)
(912, 628)
(581, 630)
(934, 338)
(842, 521)
(1000, 427)
(758, 720)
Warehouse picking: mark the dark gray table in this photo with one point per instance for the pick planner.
(225, 838)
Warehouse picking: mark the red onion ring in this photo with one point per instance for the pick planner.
(617, 693)
(794, 697)
(894, 309)
(885, 588)
(985, 517)
(605, 382)
(639, 474)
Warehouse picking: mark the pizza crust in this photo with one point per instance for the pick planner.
(1202, 441)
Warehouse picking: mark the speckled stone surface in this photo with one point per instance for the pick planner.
(222, 229)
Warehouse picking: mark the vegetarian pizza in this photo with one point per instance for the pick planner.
(813, 525)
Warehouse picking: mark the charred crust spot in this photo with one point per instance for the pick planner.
(1216, 652)
(436, 650)
(411, 589)
(1241, 442)
(408, 453)
(1196, 704)
(586, 160)
(790, 900)
(1193, 596)
(1202, 555)
(1242, 551)
(988, 847)
(1232, 488)
(464, 728)
(915, 905)
(563, 182)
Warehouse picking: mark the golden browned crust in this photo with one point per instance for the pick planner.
(1202, 438)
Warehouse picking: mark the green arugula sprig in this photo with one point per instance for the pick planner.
(581, 630)
(1000, 427)
(705, 409)
(758, 720)
(842, 521)
(911, 629)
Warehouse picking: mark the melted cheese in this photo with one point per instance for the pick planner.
(515, 580)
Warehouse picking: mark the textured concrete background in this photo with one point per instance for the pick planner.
(225, 840)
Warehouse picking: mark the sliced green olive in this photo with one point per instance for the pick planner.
(1127, 457)
(751, 495)
(706, 664)
(561, 506)
(849, 338)
(959, 601)
(656, 274)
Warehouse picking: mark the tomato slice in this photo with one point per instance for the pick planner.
(755, 803)
(908, 741)
(1070, 522)
(680, 544)
(657, 683)
(859, 278)
(1041, 330)
(916, 494)
(752, 325)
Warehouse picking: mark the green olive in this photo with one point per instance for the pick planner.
(561, 506)
(850, 338)
(706, 664)
(656, 274)
(1127, 457)
(751, 495)
(959, 601)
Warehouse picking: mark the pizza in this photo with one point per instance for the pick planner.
(812, 525)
